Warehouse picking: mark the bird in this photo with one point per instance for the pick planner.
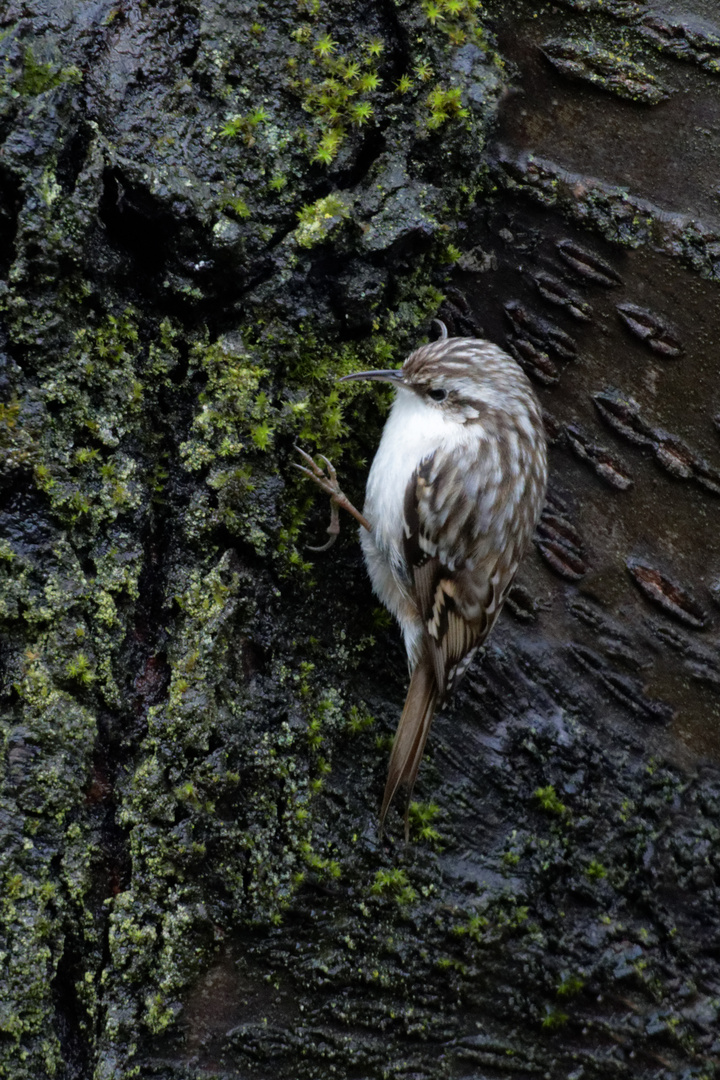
(454, 493)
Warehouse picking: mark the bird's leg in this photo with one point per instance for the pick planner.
(328, 482)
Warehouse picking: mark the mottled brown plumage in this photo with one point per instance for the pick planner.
(453, 496)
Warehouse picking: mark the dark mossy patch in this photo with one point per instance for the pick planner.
(209, 218)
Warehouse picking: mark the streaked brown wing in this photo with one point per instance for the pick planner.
(458, 603)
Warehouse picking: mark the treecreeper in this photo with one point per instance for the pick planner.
(452, 500)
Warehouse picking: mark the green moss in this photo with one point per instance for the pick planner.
(458, 19)
(554, 1018)
(244, 126)
(342, 92)
(96, 386)
(570, 985)
(359, 719)
(333, 101)
(444, 104)
(497, 919)
(18, 448)
(158, 1015)
(549, 801)
(317, 221)
(393, 884)
(422, 816)
(37, 78)
(278, 182)
(80, 669)
(237, 205)
(9, 413)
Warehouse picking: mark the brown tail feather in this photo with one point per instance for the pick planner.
(411, 736)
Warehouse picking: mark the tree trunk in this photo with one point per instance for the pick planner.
(209, 212)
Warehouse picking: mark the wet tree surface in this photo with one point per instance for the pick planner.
(209, 212)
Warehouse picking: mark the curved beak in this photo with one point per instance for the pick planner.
(394, 376)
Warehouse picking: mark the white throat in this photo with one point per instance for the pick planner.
(413, 430)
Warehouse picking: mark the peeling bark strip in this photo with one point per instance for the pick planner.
(606, 465)
(586, 265)
(611, 211)
(540, 331)
(651, 329)
(535, 363)
(607, 70)
(557, 292)
(666, 594)
(623, 415)
(560, 544)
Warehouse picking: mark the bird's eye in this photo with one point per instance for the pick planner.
(437, 395)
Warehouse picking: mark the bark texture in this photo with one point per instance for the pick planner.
(209, 212)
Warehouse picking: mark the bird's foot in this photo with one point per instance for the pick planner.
(326, 479)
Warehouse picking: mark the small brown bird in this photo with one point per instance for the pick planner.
(453, 497)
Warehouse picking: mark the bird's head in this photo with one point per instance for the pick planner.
(461, 377)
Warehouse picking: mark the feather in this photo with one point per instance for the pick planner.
(411, 736)
(449, 637)
(452, 602)
(453, 495)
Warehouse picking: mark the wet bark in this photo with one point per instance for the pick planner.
(208, 212)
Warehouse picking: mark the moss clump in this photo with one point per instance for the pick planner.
(570, 985)
(444, 104)
(37, 78)
(346, 89)
(316, 222)
(244, 126)
(549, 800)
(458, 19)
(554, 1017)
(422, 816)
(393, 884)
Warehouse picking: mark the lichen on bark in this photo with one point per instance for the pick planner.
(205, 219)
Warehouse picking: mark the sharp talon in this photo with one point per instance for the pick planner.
(334, 526)
(323, 547)
(313, 470)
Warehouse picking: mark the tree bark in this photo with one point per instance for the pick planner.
(208, 213)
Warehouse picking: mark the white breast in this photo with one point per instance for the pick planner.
(413, 431)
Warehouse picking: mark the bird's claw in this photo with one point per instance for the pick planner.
(329, 484)
(326, 479)
(333, 529)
